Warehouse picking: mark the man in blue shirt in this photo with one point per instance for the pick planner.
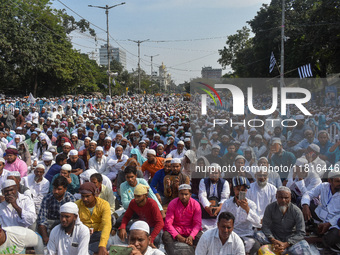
(157, 183)
(55, 168)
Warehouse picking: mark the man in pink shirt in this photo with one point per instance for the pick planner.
(182, 228)
(13, 163)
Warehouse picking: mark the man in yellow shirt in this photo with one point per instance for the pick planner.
(95, 213)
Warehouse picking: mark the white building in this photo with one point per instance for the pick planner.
(116, 54)
(164, 77)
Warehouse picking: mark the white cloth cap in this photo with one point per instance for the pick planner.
(40, 166)
(176, 161)
(66, 167)
(74, 134)
(299, 117)
(3, 160)
(67, 144)
(180, 142)
(301, 162)
(140, 225)
(99, 148)
(69, 207)
(314, 147)
(8, 183)
(152, 152)
(184, 186)
(73, 152)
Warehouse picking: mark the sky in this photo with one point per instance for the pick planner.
(192, 30)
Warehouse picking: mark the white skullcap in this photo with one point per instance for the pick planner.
(258, 136)
(301, 162)
(108, 138)
(142, 141)
(314, 147)
(14, 173)
(239, 156)
(73, 152)
(184, 186)
(2, 160)
(93, 142)
(67, 144)
(140, 225)
(276, 141)
(51, 149)
(99, 148)
(299, 117)
(176, 161)
(74, 134)
(253, 129)
(187, 140)
(60, 130)
(40, 166)
(69, 207)
(88, 138)
(8, 183)
(160, 145)
(180, 142)
(66, 167)
(152, 152)
(216, 146)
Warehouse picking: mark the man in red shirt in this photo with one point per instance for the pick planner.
(147, 210)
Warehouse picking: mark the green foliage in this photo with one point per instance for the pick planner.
(36, 54)
(313, 36)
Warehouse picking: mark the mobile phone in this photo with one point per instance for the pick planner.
(120, 249)
(242, 195)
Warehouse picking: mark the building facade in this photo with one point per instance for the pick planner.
(210, 73)
(116, 54)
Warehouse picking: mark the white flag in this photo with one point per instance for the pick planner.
(305, 71)
(31, 99)
(272, 62)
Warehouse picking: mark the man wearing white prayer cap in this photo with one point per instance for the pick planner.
(77, 164)
(77, 143)
(66, 148)
(38, 185)
(3, 172)
(71, 236)
(173, 180)
(179, 152)
(72, 179)
(22, 189)
(17, 209)
(328, 210)
(47, 161)
(139, 239)
(153, 163)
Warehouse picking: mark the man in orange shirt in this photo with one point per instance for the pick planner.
(153, 164)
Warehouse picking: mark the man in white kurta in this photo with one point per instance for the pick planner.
(261, 192)
(38, 185)
(69, 238)
(17, 209)
(115, 163)
(98, 162)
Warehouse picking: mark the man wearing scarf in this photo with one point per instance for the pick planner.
(13, 163)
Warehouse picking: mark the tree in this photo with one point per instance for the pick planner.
(313, 36)
(36, 53)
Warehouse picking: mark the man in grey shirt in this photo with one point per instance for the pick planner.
(283, 225)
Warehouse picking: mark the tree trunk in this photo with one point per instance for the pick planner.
(35, 86)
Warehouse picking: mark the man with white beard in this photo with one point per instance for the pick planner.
(284, 226)
(261, 192)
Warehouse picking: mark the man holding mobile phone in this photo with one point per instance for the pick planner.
(245, 214)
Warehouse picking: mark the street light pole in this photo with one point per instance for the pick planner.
(151, 62)
(138, 43)
(282, 59)
(107, 8)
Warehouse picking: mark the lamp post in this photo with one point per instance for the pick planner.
(138, 43)
(107, 8)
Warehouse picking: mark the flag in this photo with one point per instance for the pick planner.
(31, 99)
(305, 71)
(272, 62)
